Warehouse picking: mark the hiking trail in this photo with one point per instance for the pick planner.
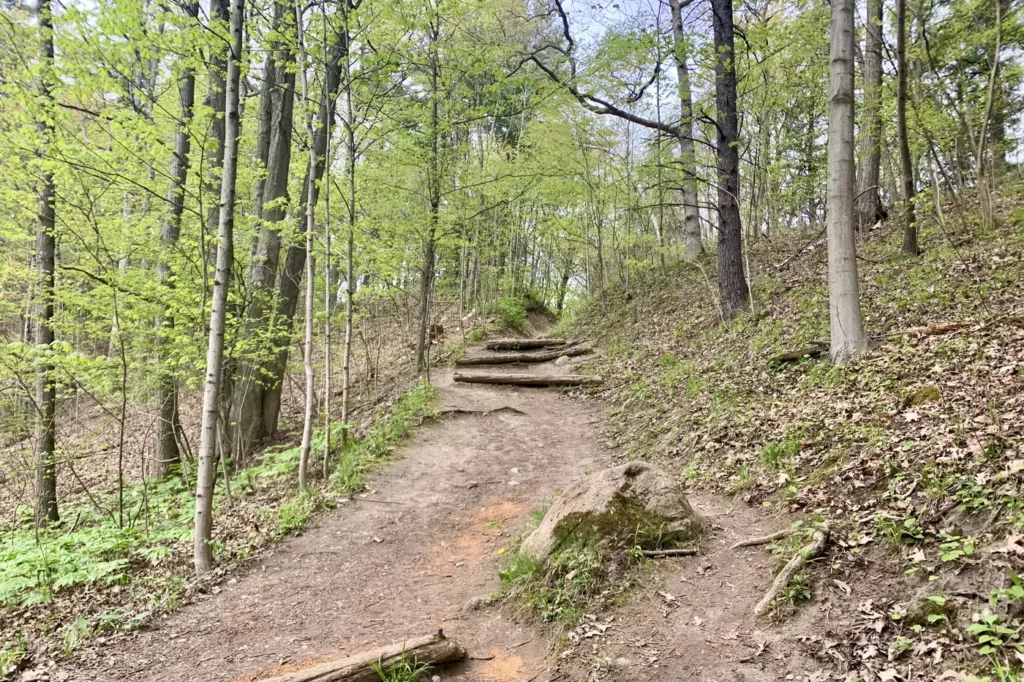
(421, 548)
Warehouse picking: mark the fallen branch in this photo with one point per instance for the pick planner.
(660, 553)
(509, 358)
(818, 542)
(764, 539)
(527, 379)
(523, 344)
(429, 649)
(814, 350)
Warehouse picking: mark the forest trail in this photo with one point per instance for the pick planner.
(399, 561)
(407, 557)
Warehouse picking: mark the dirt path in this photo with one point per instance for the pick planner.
(401, 563)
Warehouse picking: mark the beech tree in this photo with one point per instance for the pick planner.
(847, 332)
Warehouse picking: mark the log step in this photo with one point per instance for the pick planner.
(527, 379)
(508, 358)
(523, 344)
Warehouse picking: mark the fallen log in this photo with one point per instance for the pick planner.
(509, 358)
(528, 379)
(523, 344)
(813, 350)
(430, 649)
(805, 554)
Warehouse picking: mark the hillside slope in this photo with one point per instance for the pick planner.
(914, 451)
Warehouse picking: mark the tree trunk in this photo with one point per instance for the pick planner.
(295, 260)
(732, 282)
(167, 426)
(279, 89)
(692, 245)
(869, 203)
(350, 272)
(434, 191)
(910, 246)
(46, 254)
(202, 551)
(847, 333)
(307, 356)
(988, 217)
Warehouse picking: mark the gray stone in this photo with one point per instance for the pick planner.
(562, 360)
(614, 505)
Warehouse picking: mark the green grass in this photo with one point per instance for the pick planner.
(555, 589)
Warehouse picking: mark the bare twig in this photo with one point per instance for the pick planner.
(659, 553)
(795, 564)
(764, 539)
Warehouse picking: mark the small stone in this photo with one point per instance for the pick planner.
(562, 360)
(472, 484)
(474, 604)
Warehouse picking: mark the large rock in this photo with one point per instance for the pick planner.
(613, 505)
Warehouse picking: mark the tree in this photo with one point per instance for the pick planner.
(166, 451)
(46, 251)
(847, 333)
(910, 246)
(732, 282)
(203, 552)
(273, 150)
(692, 244)
(869, 204)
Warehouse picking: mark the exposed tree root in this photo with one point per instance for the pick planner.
(817, 545)
(764, 539)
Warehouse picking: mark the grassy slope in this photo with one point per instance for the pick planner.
(915, 446)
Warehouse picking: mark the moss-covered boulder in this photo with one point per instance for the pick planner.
(631, 503)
